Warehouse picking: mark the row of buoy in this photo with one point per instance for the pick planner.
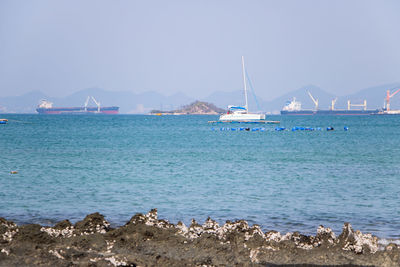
(278, 129)
(297, 128)
(248, 129)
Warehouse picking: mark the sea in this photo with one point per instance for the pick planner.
(119, 165)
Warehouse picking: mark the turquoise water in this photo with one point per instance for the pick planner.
(70, 166)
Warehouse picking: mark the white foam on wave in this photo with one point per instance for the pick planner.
(382, 243)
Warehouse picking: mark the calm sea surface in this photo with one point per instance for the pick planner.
(70, 166)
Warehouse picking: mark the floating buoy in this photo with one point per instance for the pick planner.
(13, 172)
(263, 129)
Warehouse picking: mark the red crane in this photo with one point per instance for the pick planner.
(389, 96)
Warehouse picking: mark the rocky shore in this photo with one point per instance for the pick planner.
(147, 241)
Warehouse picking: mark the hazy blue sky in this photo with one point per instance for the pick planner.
(60, 47)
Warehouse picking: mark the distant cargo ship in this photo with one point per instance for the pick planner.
(46, 107)
(293, 107)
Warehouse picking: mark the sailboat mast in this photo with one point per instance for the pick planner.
(244, 83)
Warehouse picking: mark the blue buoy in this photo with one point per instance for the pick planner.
(262, 129)
(330, 128)
(241, 128)
(346, 128)
(233, 129)
(319, 129)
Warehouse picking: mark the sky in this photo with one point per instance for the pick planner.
(195, 47)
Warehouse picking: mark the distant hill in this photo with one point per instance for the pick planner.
(143, 103)
(197, 107)
(21, 104)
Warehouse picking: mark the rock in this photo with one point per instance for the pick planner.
(147, 241)
(325, 237)
(32, 233)
(93, 223)
(7, 230)
(356, 241)
(391, 246)
(63, 225)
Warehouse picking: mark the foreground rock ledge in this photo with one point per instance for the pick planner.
(147, 241)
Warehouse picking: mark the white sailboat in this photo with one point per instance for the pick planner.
(241, 113)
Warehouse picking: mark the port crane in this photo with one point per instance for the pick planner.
(314, 100)
(333, 104)
(364, 105)
(94, 100)
(389, 96)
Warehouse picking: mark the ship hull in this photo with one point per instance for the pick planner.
(298, 112)
(331, 112)
(78, 110)
(388, 112)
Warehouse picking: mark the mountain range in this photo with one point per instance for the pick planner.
(140, 103)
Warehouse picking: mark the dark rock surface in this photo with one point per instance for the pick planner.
(147, 241)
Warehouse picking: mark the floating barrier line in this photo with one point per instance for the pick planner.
(278, 129)
(256, 122)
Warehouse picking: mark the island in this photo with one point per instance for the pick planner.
(195, 108)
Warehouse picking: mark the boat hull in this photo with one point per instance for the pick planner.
(331, 112)
(241, 117)
(298, 112)
(78, 110)
(388, 112)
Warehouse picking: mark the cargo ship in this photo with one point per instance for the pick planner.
(293, 107)
(46, 107)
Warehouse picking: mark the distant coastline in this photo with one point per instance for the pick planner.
(144, 103)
